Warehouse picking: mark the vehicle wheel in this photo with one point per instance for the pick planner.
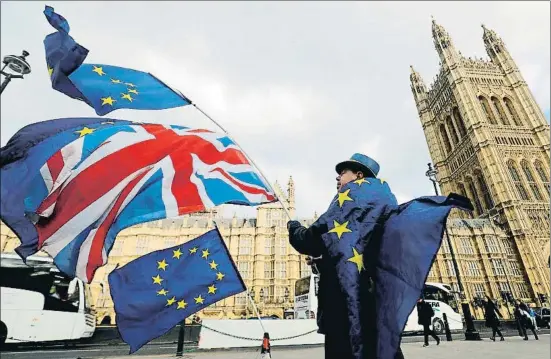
(438, 326)
(3, 334)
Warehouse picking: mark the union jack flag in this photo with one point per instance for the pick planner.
(80, 186)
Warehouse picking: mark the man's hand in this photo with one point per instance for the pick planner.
(292, 225)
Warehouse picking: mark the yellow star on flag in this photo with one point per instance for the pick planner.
(170, 301)
(177, 253)
(193, 250)
(213, 265)
(357, 259)
(340, 228)
(220, 276)
(205, 253)
(127, 96)
(343, 197)
(98, 70)
(212, 289)
(162, 265)
(135, 92)
(130, 84)
(115, 81)
(360, 181)
(107, 101)
(162, 292)
(85, 131)
(199, 300)
(50, 71)
(182, 304)
(381, 180)
(157, 279)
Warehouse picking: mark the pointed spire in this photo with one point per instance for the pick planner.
(444, 44)
(438, 32)
(416, 80)
(489, 35)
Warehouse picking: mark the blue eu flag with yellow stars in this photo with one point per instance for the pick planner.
(377, 257)
(103, 87)
(155, 292)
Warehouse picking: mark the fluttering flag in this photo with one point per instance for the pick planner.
(103, 87)
(155, 292)
(69, 186)
(380, 254)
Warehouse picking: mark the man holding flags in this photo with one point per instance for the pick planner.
(373, 258)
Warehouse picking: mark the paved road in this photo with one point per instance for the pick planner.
(512, 348)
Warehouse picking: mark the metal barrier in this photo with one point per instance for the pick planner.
(110, 335)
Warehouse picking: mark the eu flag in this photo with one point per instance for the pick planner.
(105, 88)
(155, 292)
(378, 255)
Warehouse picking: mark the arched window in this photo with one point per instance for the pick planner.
(445, 138)
(452, 129)
(531, 180)
(472, 189)
(463, 192)
(543, 175)
(459, 121)
(511, 109)
(501, 113)
(517, 181)
(487, 110)
(486, 196)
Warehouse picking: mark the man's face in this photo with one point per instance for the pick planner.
(346, 176)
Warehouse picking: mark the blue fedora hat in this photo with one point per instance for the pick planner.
(359, 162)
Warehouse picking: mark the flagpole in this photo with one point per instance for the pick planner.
(256, 311)
(179, 93)
(246, 155)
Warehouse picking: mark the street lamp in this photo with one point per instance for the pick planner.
(262, 297)
(470, 333)
(18, 66)
(494, 218)
(251, 297)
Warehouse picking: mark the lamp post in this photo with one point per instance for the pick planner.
(261, 298)
(18, 66)
(470, 333)
(494, 218)
(252, 295)
(285, 301)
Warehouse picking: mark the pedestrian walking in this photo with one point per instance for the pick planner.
(491, 314)
(425, 314)
(521, 312)
(533, 316)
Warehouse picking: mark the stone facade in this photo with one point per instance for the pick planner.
(489, 140)
(260, 248)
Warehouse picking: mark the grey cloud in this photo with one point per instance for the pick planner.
(300, 85)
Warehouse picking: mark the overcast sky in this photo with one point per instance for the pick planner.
(299, 85)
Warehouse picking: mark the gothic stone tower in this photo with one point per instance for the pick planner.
(489, 141)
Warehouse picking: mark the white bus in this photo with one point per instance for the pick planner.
(306, 304)
(440, 297)
(38, 303)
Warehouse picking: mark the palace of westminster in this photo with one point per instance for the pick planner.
(488, 140)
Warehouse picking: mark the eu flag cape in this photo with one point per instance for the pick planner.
(385, 249)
